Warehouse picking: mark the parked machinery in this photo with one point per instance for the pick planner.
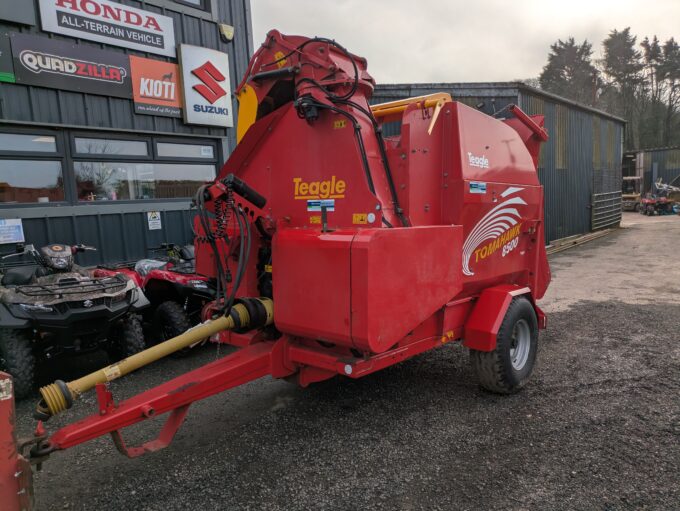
(176, 292)
(51, 307)
(338, 251)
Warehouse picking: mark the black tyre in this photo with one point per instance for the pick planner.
(127, 338)
(507, 369)
(170, 320)
(17, 358)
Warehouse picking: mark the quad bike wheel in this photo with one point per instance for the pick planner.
(127, 338)
(17, 358)
(507, 369)
(170, 320)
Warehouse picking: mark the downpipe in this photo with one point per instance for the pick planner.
(249, 313)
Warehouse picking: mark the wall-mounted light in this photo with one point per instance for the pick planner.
(227, 32)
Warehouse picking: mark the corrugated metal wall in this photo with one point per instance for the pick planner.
(666, 162)
(582, 190)
(580, 166)
(120, 231)
(122, 236)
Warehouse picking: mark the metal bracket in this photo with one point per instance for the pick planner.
(164, 438)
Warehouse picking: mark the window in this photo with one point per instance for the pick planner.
(167, 150)
(111, 147)
(111, 181)
(12, 142)
(199, 4)
(28, 181)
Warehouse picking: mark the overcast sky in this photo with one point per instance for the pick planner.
(461, 40)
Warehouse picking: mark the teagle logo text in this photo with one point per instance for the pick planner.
(481, 162)
(331, 189)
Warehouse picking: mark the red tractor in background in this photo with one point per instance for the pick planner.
(336, 251)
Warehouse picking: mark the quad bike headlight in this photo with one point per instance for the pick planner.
(35, 307)
(61, 263)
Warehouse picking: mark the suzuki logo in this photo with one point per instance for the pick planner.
(210, 89)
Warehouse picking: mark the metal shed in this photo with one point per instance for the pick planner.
(74, 125)
(580, 166)
(652, 164)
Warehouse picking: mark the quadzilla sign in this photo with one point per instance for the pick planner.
(58, 64)
(206, 85)
(111, 23)
(156, 87)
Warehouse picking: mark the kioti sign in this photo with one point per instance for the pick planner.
(110, 23)
(155, 87)
(61, 65)
(207, 89)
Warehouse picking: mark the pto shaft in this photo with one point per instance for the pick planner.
(249, 314)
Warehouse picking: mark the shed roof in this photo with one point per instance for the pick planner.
(493, 89)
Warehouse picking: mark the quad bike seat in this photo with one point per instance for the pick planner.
(22, 275)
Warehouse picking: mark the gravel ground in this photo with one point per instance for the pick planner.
(597, 428)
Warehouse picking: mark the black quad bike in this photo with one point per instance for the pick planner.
(53, 307)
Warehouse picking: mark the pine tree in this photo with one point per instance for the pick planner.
(570, 72)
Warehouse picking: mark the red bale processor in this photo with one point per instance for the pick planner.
(337, 250)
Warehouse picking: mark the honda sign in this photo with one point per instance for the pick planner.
(206, 85)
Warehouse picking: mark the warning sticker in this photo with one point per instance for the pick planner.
(477, 187)
(316, 205)
(359, 218)
(5, 389)
(154, 220)
(111, 372)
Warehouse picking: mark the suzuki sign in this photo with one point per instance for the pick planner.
(110, 23)
(206, 85)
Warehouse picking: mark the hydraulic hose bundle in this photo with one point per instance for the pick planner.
(225, 209)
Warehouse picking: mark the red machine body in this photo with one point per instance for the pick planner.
(373, 250)
(363, 276)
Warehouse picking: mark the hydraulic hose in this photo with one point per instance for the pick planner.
(248, 314)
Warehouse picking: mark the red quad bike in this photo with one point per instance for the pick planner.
(177, 294)
(378, 249)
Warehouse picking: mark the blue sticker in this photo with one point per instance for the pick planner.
(477, 187)
(315, 205)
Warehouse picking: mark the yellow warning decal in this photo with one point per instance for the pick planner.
(316, 219)
(280, 59)
(339, 124)
(359, 218)
(268, 268)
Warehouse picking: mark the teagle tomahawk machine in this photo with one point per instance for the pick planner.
(338, 251)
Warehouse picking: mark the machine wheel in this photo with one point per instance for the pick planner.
(127, 338)
(507, 369)
(637, 207)
(17, 358)
(170, 320)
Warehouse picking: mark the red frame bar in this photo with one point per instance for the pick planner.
(240, 367)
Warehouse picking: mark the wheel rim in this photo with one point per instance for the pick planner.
(520, 345)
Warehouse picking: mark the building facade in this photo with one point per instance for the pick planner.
(112, 113)
(579, 167)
